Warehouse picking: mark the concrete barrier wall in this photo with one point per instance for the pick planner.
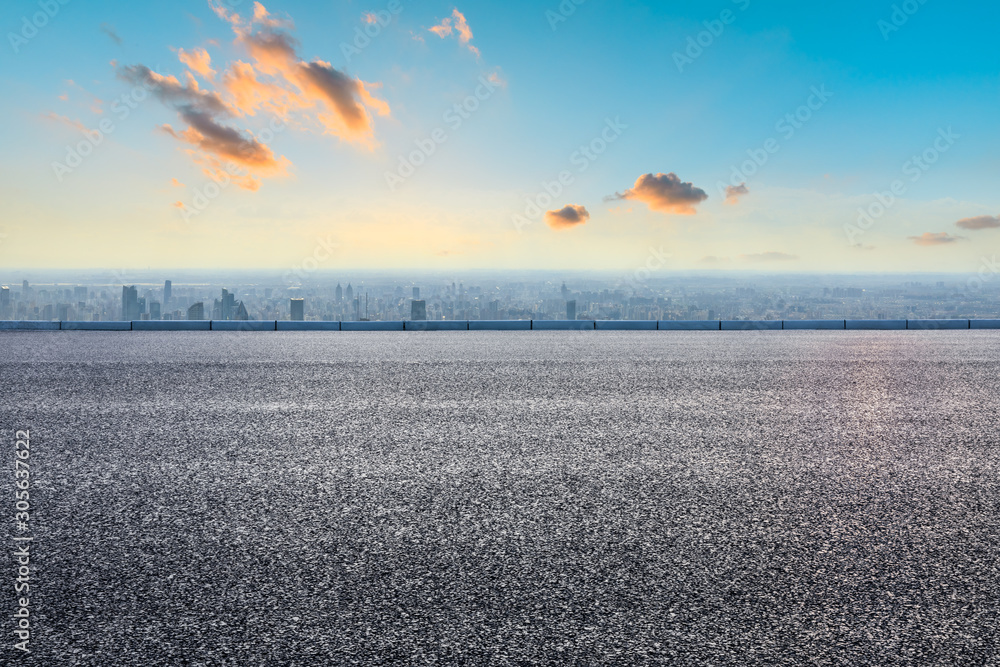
(626, 325)
(96, 326)
(436, 325)
(499, 325)
(283, 325)
(880, 325)
(243, 325)
(562, 325)
(688, 325)
(751, 325)
(171, 325)
(937, 324)
(29, 325)
(814, 325)
(371, 326)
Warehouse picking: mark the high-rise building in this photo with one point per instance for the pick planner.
(298, 310)
(349, 294)
(4, 302)
(142, 305)
(168, 289)
(571, 310)
(154, 310)
(339, 293)
(80, 292)
(130, 303)
(240, 313)
(228, 305)
(416, 292)
(197, 311)
(418, 310)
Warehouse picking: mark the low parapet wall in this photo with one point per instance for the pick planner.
(504, 325)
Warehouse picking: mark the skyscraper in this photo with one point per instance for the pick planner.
(240, 313)
(4, 302)
(197, 311)
(349, 294)
(167, 290)
(130, 303)
(298, 309)
(418, 310)
(154, 310)
(416, 292)
(339, 293)
(571, 310)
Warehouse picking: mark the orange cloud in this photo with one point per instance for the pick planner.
(198, 61)
(665, 193)
(567, 217)
(933, 239)
(75, 124)
(177, 184)
(734, 192)
(456, 23)
(340, 104)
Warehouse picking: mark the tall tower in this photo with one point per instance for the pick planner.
(298, 310)
(130, 303)
(167, 290)
(339, 293)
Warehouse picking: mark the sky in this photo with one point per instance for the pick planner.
(581, 135)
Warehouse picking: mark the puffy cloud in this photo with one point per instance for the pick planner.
(198, 61)
(276, 81)
(980, 222)
(456, 23)
(340, 104)
(109, 30)
(201, 110)
(567, 217)
(734, 192)
(932, 239)
(665, 193)
(770, 256)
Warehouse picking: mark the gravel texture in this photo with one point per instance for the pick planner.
(597, 498)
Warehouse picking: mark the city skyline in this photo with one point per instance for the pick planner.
(727, 135)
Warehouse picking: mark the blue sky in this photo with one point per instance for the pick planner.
(890, 90)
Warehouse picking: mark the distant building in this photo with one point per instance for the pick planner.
(4, 302)
(63, 312)
(154, 310)
(241, 312)
(416, 292)
(418, 310)
(130, 303)
(298, 309)
(571, 310)
(142, 305)
(80, 292)
(339, 293)
(197, 311)
(349, 294)
(167, 291)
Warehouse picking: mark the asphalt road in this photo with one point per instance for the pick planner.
(595, 498)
